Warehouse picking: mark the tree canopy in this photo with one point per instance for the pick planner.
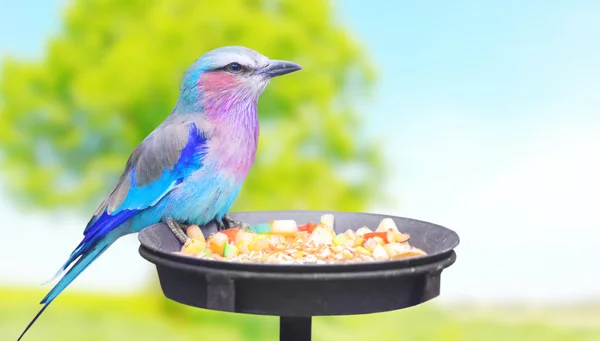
(69, 120)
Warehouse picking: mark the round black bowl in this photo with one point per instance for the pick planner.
(304, 290)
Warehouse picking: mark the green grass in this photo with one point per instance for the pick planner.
(150, 316)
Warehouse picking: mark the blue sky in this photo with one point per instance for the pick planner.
(492, 113)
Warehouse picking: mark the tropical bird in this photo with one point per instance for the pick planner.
(190, 169)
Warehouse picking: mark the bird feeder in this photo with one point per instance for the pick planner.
(295, 293)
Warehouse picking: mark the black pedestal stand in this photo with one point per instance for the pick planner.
(295, 328)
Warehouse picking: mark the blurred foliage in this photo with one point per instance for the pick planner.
(140, 317)
(69, 121)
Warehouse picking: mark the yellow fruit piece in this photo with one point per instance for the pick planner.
(193, 246)
(339, 239)
(193, 231)
(243, 247)
(359, 241)
(346, 254)
(362, 251)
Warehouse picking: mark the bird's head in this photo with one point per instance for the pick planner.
(233, 71)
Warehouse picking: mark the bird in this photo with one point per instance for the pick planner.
(191, 168)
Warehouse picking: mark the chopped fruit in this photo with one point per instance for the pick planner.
(194, 232)
(193, 246)
(284, 227)
(327, 220)
(217, 243)
(379, 253)
(285, 242)
(387, 224)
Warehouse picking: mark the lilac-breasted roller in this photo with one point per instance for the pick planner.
(190, 169)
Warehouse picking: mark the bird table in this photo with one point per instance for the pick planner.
(296, 293)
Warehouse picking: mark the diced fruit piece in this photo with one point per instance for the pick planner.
(320, 236)
(394, 249)
(387, 224)
(284, 227)
(308, 227)
(339, 239)
(244, 236)
(243, 247)
(379, 253)
(260, 228)
(193, 246)
(401, 237)
(230, 251)
(231, 233)
(193, 231)
(350, 234)
(327, 220)
(362, 231)
(359, 241)
(361, 250)
(259, 244)
(346, 254)
(413, 252)
(381, 235)
(217, 243)
(370, 244)
(379, 240)
(350, 242)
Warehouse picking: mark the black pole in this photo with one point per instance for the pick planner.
(295, 328)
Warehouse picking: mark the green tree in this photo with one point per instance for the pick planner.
(69, 121)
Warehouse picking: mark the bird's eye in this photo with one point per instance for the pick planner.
(234, 68)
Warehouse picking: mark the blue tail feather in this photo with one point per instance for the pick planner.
(94, 243)
(100, 227)
(73, 272)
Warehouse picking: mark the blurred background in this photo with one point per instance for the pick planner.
(478, 115)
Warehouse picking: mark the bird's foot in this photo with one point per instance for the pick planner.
(220, 225)
(228, 220)
(177, 229)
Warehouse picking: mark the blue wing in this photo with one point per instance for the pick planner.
(159, 164)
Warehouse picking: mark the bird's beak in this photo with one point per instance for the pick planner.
(279, 68)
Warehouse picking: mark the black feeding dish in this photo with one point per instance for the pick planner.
(297, 291)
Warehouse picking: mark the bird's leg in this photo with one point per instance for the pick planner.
(177, 229)
(220, 225)
(227, 219)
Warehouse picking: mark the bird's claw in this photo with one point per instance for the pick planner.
(177, 230)
(220, 225)
(227, 219)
